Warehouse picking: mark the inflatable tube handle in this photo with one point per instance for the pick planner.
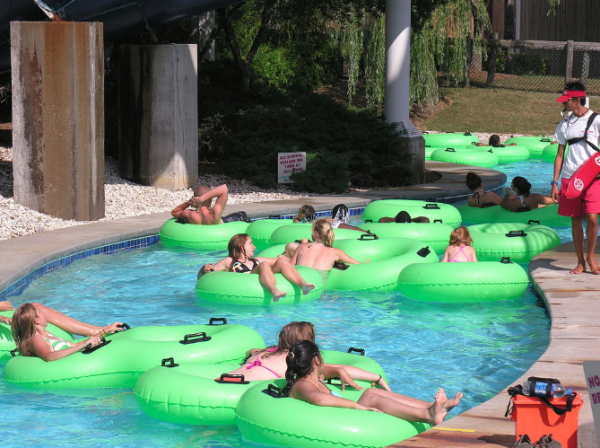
(214, 320)
(89, 349)
(490, 151)
(368, 220)
(181, 221)
(232, 378)
(195, 337)
(170, 361)
(357, 350)
(436, 221)
(546, 140)
(14, 352)
(124, 326)
(431, 206)
(533, 221)
(273, 391)
(368, 237)
(423, 252)
(516, 233)
(505, 260)
(450, 150)
(467, 134)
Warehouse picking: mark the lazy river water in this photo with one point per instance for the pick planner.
(478, 349)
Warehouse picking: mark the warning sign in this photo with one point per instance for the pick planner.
(288, 163)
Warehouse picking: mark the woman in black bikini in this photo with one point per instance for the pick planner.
(523, 200)
(304, 376)
(241, 260)
(480, 198)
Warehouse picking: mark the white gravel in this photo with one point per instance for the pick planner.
(122, 199)
(125, 199)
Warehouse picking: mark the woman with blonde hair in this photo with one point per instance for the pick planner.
(460, 246)
(32, 339)
(320, 253)
(269, 363)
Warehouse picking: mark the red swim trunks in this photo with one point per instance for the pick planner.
(588, 202)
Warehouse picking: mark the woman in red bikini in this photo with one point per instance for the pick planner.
(269, 363)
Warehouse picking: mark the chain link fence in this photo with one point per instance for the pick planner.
(542, 66)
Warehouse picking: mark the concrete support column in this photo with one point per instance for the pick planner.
(158, 115)
(58, 118)
(397, 85)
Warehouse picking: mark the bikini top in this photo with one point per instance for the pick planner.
(56, 343)
(487, 204)
(524, 207)
(257, 363)
(460, 248)
(241, 268)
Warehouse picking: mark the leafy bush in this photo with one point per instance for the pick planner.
(345, 147)
(530, 64)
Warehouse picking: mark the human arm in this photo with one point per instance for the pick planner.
(221, 265)
(339, 371)
(349, 227)
(507, 200)
(5, 305)
(446, 256)
(308, 392)
(42, 349)
(177, 212)
(355, 373)
(5, 320)
(558, 164)
(345, 258)
(221, 193)
(472, 255)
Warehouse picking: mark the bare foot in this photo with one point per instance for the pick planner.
(437, 411)
(277, 294)
(453, 402)
(594, 268)
(307, 287)
(578, 269)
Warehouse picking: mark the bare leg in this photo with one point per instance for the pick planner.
(384, 401)
(592, 234)
(415, 402)
(289, 271)
(577, 232)
(267, 280)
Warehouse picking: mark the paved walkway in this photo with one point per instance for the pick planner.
(574, 330)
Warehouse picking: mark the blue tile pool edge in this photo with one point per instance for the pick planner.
(17, 287)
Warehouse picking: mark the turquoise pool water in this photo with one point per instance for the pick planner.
(478, 349)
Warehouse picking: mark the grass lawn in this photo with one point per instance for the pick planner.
(495, 110)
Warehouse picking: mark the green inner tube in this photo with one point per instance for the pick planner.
(547, 215)
(450, 139)
(479, 282)
(202, 237)
(520, 242)
(435, 211)
(245, 289)
(286, 422)
(130, 353)
(468, 156)
(535, 145)
(189, 394)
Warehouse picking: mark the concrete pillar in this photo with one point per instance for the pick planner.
(397, 85)
(58, 118)
(158, 115)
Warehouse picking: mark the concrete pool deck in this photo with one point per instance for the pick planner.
(574, 334)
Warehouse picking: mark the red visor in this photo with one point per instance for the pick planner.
(568, 94)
